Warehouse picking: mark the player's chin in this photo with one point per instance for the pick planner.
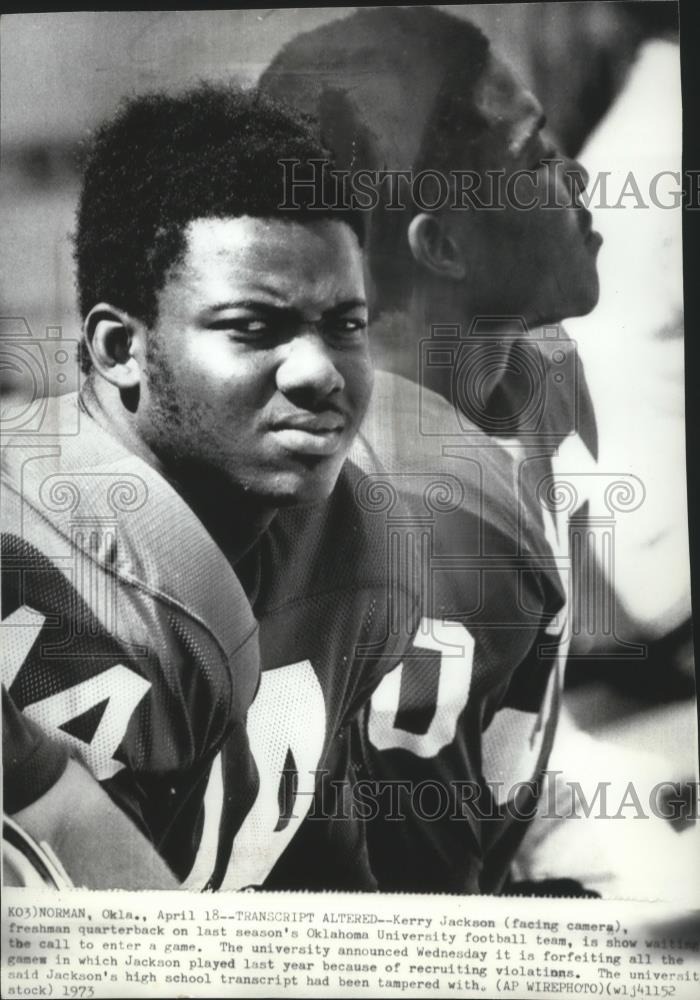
(310, 481)
(574, 289)
(587, 293)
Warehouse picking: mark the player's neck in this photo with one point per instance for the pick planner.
(108, 408)
(400, 338)
(235, 522)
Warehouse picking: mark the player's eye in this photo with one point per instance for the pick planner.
(250, 326)
(346, 326)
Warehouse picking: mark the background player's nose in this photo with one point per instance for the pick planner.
(579, 175)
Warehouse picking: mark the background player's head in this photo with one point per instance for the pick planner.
(415, 89)
(233, 331)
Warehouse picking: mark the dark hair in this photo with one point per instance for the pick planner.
(163, 160)
(370, 80)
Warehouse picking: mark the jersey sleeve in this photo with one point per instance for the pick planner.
(32, 763)
(135, 688)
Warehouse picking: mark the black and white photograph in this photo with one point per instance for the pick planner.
(345, 544)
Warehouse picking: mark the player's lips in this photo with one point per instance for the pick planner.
(591, 236)
(594, 240)
(311, 433)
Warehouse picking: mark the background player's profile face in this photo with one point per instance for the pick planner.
(536, 261)
(258, 366)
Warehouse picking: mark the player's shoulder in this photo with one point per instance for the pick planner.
(104, 562)
(72, 491)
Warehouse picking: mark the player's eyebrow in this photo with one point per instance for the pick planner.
(269, 307)
(346, 306)
(243, 304)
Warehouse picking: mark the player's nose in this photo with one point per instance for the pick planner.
(579, 176)
(308, 373)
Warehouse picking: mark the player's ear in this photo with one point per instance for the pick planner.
(110, 335)
(435, 247)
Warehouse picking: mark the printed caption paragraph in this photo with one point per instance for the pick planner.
(89, 944)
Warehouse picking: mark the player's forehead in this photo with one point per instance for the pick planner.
(510, 111)
(294, 263)
(485, 123)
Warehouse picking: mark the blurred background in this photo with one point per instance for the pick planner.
(607, 75)
(62, 73)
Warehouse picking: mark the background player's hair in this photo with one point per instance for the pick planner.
(392, 88)
(163, 160)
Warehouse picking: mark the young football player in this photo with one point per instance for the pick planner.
(458, 290)
(127, 632)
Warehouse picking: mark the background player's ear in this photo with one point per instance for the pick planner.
(434, 247)
(109, 335)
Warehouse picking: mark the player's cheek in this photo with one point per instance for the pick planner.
(213, 356)
(359, 381)
(513, 226)
(554, 235)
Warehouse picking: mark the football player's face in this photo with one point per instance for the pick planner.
(258, 365)
(537, 262)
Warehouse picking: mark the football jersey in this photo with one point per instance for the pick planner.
(126, 634)
(466, 720)
(318, 585)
